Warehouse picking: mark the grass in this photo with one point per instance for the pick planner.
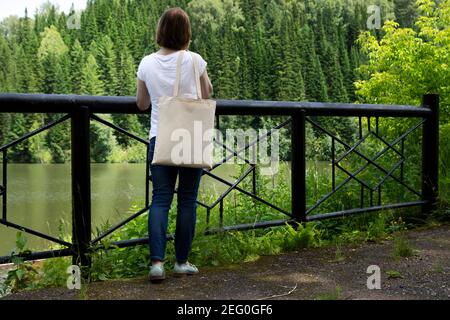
(238, 247)
(402, 248)
(393, 274)
(333, 295)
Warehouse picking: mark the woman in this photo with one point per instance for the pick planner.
(156, 78)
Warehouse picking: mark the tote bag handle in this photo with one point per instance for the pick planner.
(176, 89)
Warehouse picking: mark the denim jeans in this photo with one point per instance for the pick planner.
(164, 178)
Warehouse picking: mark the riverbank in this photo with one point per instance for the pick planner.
(310, 273)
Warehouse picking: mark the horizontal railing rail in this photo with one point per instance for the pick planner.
(80, 110)
(55, 103)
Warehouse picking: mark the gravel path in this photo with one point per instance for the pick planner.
(304, 274)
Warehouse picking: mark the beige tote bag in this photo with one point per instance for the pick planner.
(185, 126)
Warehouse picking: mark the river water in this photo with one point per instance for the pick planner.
(39, 197)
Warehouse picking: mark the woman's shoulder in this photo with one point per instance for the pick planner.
(145, 65)
(198, 55)
(201, 62)
(148, 57)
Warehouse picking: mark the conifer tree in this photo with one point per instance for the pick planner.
(106, 59)
(126, 87)
(315, 85)
(6, 67)
(91, 83)
(76, 67)
(255, 49)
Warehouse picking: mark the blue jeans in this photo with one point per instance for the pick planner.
(164, 178)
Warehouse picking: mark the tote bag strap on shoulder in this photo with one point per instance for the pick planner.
(176, 89)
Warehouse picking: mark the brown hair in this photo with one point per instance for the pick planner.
(174, 29)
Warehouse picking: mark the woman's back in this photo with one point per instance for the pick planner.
(159, 73)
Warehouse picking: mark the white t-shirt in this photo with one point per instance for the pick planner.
(159, 73)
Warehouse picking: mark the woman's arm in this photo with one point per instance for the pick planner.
(142, 96)
(207, 88)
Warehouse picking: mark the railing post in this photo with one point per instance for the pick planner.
(298, 166)
(430, 153)
(81, 186)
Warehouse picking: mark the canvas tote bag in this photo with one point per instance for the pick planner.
(185, 126)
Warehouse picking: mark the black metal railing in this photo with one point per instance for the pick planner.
(82, 109)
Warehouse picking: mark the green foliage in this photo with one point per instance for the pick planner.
(264, 50)
(6, 68)
(76, 67)
(101, 142)
(51, 44)
(29, 275)
(23, 273)
(136, 153)
(53, 272)
(300, 237)
(393, 274)
(444, 165)
(111, 262)
(5, 120)
(58, 140)
(126, 73)
(30, 150)
(402, 248)
(106, 57)
(407, 63)
(405, 12)
(333, 295)
(91, 83)
(236, 247)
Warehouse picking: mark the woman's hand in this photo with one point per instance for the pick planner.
(142, 96)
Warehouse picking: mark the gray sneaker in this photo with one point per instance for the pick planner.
(183, 269)
(157, 273)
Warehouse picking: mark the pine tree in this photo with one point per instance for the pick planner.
(106, 59)
(126, 86)
(255, 49)
(89, 23)
(101, 138)
(6, 67)
(58, 138)
(405, 12)
(52, 54)
(336, 87)
(127, 74)
(344, 63)
(27, 79)
(91, 83)
(76, 67)
(28, 67)
(315, 85)
(26, 151)
(50, 65)
(5, 120)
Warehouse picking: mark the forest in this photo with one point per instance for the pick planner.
(264, 50)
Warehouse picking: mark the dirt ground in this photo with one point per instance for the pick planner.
(305, 274)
